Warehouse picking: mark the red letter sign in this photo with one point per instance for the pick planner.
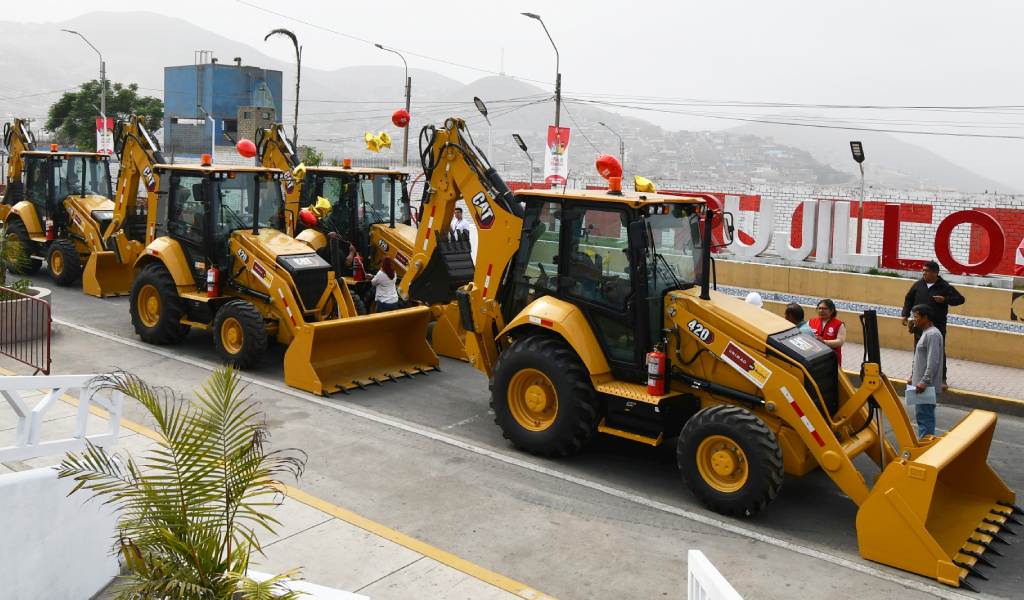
(996, 242)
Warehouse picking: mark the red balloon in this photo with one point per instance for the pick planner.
(246, 148)
(307, 217)
(608, 166)
(400, 117)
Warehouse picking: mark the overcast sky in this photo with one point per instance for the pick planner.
(935, 53)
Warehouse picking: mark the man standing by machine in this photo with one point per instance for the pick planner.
(936, 293)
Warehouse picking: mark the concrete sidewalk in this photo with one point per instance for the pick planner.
(971, 384)
(332, 546)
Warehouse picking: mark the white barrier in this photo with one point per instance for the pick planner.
(704, 582)
(54, 546)
(29, 441)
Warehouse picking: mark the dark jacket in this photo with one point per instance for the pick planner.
(920, 293)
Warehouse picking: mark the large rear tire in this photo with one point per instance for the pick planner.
(239, 334)
(156, 308)
(30, 266)
(64, 262)
(542, 397)
(730, 460)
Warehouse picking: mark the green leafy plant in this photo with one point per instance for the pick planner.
(190, 508)
(12, 258)
(73, 117)
(310, 156)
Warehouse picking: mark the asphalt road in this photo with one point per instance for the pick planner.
(425, 457)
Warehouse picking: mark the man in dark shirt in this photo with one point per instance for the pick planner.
(936, 293)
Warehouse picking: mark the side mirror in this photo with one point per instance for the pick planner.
(728, 230)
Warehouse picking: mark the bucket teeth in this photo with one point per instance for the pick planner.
(995, 536)
(1002, 527)
(342, 389)
(978, 557)
(967, 586)
(376, 381)
(1013, 507)
(391, 377)
(406, 373)
(971, 570)
(986, 545)
(359, 384)
(420, 370)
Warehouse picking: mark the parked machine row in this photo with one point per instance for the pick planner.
(590, 312)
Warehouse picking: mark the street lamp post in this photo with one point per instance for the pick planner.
(558, 72)
(103, 82)
(857, 149)
(480, 106)
(622, 145)
(408, 104)
(298, 77)
(522, 146)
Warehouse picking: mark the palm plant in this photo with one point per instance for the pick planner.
(190, 508)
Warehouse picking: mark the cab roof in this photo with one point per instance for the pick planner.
(213, 168)
(354, 170)
(63, 153)
(634, 199)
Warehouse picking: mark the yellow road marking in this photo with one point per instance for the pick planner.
(447, 558)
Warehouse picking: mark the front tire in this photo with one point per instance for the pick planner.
(29, 266)
(64, 262)
(156, 308)
(239, 334)
(730, 460)
(542, 397)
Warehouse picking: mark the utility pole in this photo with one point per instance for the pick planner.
(298, 78)
(103, 84)
(408, 103)
(558, 72)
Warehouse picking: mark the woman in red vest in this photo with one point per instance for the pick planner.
(828, 328)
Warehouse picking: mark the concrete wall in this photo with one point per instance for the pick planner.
(52, 546)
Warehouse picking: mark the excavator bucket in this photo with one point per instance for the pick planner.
(105, 276)
(354, 352)
(937, 514)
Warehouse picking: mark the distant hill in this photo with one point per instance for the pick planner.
(890, 162)
(340, 105)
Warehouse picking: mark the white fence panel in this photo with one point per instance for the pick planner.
(704, 582)
(29, 439)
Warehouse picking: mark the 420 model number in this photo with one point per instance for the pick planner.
(698, 329)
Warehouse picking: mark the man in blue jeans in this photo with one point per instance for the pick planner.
(927, 377)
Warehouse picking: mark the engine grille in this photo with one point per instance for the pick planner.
(310, 273)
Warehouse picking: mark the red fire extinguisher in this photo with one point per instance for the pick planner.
(358, 273)
(212, 282)
(51, 231)
(657, 362)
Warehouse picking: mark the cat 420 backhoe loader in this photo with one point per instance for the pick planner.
(211, 256)
(369, 208)
(57, 203)
(574, 288)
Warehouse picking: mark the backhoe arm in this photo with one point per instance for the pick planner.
(139, 153)
(17, 139)
(275, 151)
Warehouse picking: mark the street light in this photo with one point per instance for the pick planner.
(480, 106)
(298, 76)
(408, 106)
(558, 72)
(857, 149)
(103, 82)
(622, 145)
(522, 146)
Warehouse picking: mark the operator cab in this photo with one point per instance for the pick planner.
(51, 177)
(360, 198)
(615, 257)
(206, 204)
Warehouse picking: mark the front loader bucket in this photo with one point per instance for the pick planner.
(938, 513)
(354, 352)
(104, 276)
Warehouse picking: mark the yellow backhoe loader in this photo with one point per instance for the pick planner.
(369, 209)
(57, 203)
(211, 256)
(580, 298)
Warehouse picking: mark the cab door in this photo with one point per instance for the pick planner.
(188, 220)
(596, 273)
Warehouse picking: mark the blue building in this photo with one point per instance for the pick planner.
(229, 92)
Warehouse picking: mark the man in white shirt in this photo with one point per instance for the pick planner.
(460, 227)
